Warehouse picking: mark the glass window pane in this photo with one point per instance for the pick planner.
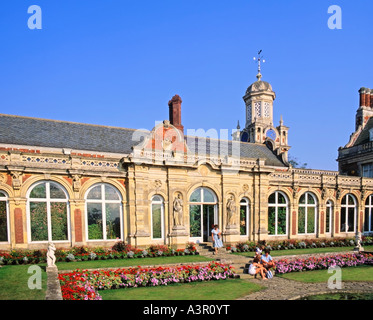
(56, 192)
(38, 220)
(301, 220)
(343, 219)
(3, 221)
(95, 227)
(272, 198)
(59, 220)
(157, 198)
(195, 221)
(310, 220)
(39, 191)
(311, 199)
(281, 220)
(2, 194)
(344, 200)
(208, 196)
(302, 199)
(281, 199)
(196, 196)
(351, 200)
(371, 222)
(328, 218)
(113, 220)
(157, 221)
(111, 193)
(243, 215)
(351, 219)
(366, 219)
(271, 220)
(95, 193)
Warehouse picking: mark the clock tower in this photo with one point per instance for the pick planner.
(259, 128)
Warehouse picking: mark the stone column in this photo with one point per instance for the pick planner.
(78, 221)
(18, 225)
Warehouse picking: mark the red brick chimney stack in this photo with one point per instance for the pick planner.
(175, 112)
(362, 97)
(366, 97)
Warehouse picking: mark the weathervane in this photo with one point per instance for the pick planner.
(259, 60)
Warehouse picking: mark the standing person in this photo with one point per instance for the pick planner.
(216, 238)
(267, 260)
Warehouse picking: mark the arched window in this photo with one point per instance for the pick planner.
(104, 213)
(329, 217)
(48, 212)
(244, 217)
(202, 214)
(368, 221)
(4, 217)
(307, 214)
(278, 207)
(157, 217)
(348, 213)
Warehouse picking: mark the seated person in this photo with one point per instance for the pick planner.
(259, 250)
(256, 268)
(267, 260)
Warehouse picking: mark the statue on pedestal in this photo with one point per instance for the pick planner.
(231, 210)
(178, 210)
(51, 259)
(358, 240)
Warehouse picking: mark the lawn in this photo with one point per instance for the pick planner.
(14, 284)
(122, 263)
(14, 278)
(277, 253)
(360, 273)
(210, 290)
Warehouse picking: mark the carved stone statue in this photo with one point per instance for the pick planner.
(358, 239)
(231, 210)
(178, 210)
(76, 182)
(51, 259)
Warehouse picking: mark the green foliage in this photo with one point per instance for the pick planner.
(95, 232)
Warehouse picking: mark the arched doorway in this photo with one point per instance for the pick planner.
(203, 214)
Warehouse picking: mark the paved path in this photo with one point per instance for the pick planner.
(283, 289)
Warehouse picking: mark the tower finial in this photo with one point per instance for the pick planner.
(259, 60)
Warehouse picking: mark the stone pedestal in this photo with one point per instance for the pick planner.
(179, 237)
(231, 235)
(53, 284)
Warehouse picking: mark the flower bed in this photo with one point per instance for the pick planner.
(317, 263)
(299, 244)
(84, 285)
(119, 251)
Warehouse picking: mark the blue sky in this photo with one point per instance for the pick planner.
(118, 62)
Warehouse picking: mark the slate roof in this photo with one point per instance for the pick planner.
(78, 136)
(364, 135)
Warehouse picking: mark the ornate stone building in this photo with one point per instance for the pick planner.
(79, 184)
